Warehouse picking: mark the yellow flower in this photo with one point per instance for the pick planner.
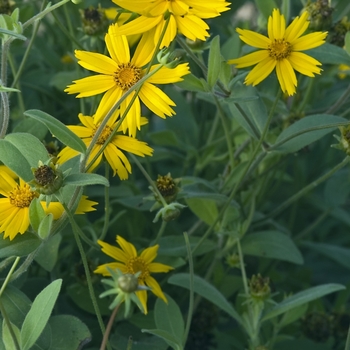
(118, 73)
(14, 207)
(281, 50)
(113, 154)
(185, 17)
(129, 262)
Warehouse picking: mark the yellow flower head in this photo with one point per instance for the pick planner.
(119, 72)
(14, 207)
(127, 261)
(281, 50)
(113, 154)
(185, 18)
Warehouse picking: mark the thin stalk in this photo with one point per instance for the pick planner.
(342, 99)
(242, 267)
(148, 178)
(23, 268)
(241, 178)
(109, 328)
(223, 119)
(8, 277)
(161, 231)
(75, 228)
(306, 95)
(107, 206)
(5, 114)
(18, 86)
(190, 306)
(306, 189)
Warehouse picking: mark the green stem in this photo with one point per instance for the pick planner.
(109, 328)
(5, 114)
(242, 176)
(8, 277)
(150, 181)
(23, 268)
(306, 189)
(306, 95)
(342, 99)
(19, 96)
(242, 267)
(191, 303)
(76, 229)
(161, 231)
(223, 118)
(107, 206)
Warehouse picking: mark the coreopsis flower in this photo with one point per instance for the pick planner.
(186, 17)
(113, 151)
(129, 262)
(119, 73)
(281, 50)
(14, 207)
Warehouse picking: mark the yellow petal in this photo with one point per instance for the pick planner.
(91, 86)
(107, 102)
(139, 25)
(192, 27)
(96, 62)
(127, 247)
(260, 71)
(155, 288)
(304, 64)
(114, 252)
(169, 34)
(286, 76)
(55, 208)
(132, 145)
(167, 75)
(144, 51)
(142, 296)
(7, 183)
(133, 118)
(113, 157)
(117, 45)
(250, 59)
(149, 254)
(102, 269)
(85, 205)
(254, 39)
(297, 27)
(309, 41)
(276, 25)
(158, 267)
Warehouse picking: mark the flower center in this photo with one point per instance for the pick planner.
(280, 49)
(137, 264)
(127, 75)
(21, 197)
(104, 134)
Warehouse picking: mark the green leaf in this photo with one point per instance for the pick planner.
(302, 298)
(175, 246)
(31, 126)
(32, 149)
(292, 315)
(11, 33)
(21, 245)
(8, 89)
(214, 61)
(85, 179)
(169, 338)
(36, 214)
(68, 332)
(339, 254)
(168, 317)
(347, 42)
(48, 253)
(205, 209)
(165, 138)
(58, 129)
(265, 7)
(331, 54)
(15, 160)
(45, 226)
(206, 290)
(307, 130)
(271, 244)
(39, 314)
(191, 83)
(6, 336)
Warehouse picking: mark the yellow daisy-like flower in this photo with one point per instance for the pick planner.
(186, 17)
(129, 262)
(14, 207)
(281, 50)
(119, 72)
(113, 154)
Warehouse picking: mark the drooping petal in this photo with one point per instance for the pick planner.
(114, 252)
(96, 62)
(169, 34)
(7, 183)
(144, 50)
(286, 76)
(65, 154)
(132, 122)
(260, 71)
(304, 64)
(168, 76)
(102, 269)
(16, 222)
(55, 208)
(91, 86)
(156, 100)
(192, 27)
(113, 157)
(93, 154)
(253, 39)
(250, 59)
(155, 288)
(309, 41)
(142, 295)
(127, 247)
(107, 102)
(85, 205)
(132, 145)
